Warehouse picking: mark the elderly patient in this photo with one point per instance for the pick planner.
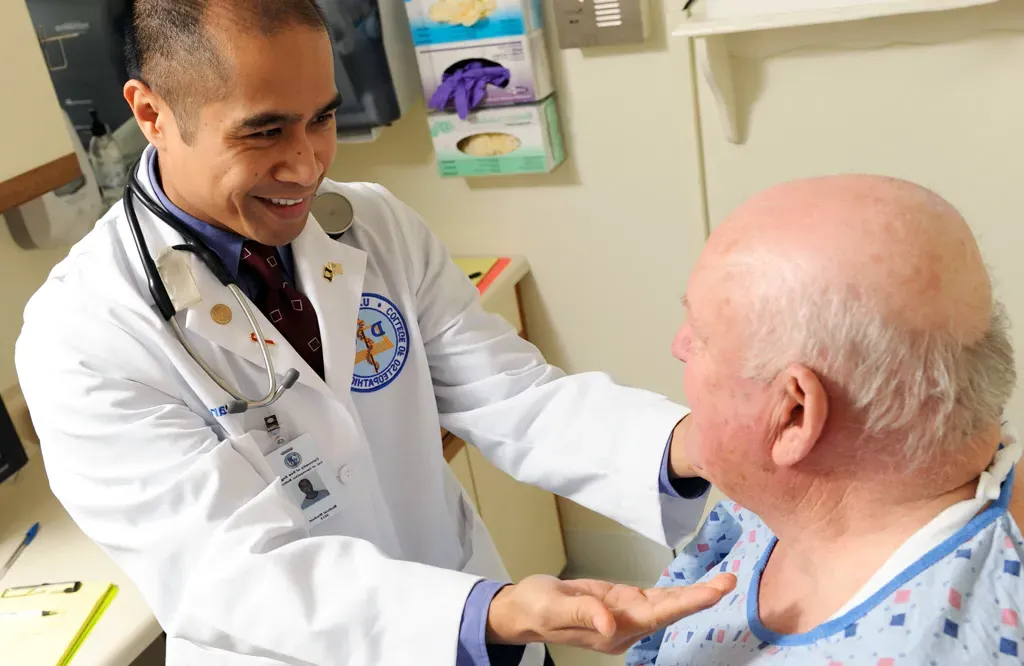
(847, 369)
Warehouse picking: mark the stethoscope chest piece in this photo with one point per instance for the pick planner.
(334, 213)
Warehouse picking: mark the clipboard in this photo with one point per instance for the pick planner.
(52, 640)
(482, 271)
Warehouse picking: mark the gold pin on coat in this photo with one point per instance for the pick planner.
(220, 314)
(332, 269)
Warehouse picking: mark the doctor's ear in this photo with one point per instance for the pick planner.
(800, 414)
(148, 109)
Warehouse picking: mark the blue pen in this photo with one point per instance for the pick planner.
(31, 534)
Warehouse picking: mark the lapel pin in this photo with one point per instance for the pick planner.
(220, 314)
(252, 336)
(332, 269)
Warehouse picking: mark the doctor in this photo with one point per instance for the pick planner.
(203, 507)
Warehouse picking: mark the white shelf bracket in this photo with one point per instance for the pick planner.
(715, 65)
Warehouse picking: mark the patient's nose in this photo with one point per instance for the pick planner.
(682, 343)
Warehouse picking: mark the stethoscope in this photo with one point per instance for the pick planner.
(336, 216)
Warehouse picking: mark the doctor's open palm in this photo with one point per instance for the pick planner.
(592, 614)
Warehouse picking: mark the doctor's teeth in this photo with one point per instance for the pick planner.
(285, 202)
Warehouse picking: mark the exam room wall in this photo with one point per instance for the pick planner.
(932, 98)
(22, 272)
(610, 236)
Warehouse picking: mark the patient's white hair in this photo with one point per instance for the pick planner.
(923, 387)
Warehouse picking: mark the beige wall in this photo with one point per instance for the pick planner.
(934, 98)
(611, 235)
(21, 273)
(34, 106)
(32, 133)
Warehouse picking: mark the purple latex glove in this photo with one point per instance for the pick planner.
(467, 86)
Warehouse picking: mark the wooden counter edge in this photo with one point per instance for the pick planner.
(451, 445)
(37, 182)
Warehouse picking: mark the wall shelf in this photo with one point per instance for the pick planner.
(696, 25)
(711, 51)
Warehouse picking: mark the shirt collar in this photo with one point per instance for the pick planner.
(227, 245)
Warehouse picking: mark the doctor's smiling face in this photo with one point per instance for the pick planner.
(244, 121)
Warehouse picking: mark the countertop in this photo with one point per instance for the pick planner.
(61, 552)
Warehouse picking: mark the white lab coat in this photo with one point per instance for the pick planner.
(181, 496)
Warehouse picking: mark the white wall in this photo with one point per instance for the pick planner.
(611, 235)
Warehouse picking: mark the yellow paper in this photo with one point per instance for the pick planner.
(54, 639)
(471, 265)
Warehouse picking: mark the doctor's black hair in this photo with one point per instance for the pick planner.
(169, 47)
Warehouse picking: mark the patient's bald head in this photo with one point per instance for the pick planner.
(844, 307)
(179, 48)
(900, 246)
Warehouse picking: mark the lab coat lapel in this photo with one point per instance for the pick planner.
(236, 335)
(330, 274)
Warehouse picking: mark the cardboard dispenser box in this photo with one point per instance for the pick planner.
(449, 21)
(498, 141)
(524, 56)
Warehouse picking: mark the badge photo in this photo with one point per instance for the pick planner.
(306, 480)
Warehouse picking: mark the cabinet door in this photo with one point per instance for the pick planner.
(933, 98)
(523, 520)
(37, 153)
(459, 464)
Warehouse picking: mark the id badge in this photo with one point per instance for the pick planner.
(306, 480)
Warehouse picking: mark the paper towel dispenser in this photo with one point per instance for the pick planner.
(83, 42)
(375, 63)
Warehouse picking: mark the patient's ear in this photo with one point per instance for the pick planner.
(800, 415)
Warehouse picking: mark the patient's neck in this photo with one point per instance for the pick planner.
(838, 535)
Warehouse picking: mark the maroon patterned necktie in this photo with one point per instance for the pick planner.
(284, 305)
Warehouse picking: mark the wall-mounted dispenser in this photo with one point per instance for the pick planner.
(375, 64)
(83, 42)
(584, 23)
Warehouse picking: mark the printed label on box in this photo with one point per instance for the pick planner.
(425, 31)
(522, 139)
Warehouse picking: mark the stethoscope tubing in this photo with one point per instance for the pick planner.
(162, 300)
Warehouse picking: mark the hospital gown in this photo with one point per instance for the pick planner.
(960, 603)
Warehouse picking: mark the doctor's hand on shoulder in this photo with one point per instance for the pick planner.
(593, 614)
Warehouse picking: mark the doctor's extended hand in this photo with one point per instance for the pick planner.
(592, 614)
